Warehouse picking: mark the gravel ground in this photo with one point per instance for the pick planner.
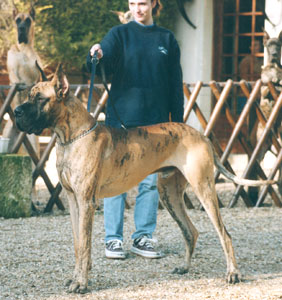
(37, 257)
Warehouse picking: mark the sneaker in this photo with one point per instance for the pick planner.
(143, 246)
(114, 249)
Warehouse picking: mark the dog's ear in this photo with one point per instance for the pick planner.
(61, 83)
(265, 38)
(121, 16)
(32, 13)
(15, 10)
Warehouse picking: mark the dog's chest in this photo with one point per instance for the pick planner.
(271, 73)
(64, 174)
(67, 164)
(23, 64)
(27, 64)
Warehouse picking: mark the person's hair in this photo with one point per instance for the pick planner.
(157, 9)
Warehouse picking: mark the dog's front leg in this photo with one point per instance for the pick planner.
(73, 207)
(74, 213)
(83, 260)
(86, 186)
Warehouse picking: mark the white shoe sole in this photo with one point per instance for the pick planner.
(146, 254)
(115, 255)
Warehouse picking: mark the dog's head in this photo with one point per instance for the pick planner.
(24, 23)
(273, 47)
(124, 17)
(43, 108)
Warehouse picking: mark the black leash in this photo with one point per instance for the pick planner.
(94, 62)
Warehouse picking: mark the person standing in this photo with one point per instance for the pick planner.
(146, 89)
(250, 65)
(249, 70)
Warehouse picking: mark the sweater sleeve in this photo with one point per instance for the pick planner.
(176, 88)
(111, 52)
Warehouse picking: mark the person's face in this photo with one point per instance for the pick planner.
(142, 10)
(256, 46)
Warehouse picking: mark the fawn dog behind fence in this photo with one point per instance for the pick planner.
(271, 72)
(21, 64)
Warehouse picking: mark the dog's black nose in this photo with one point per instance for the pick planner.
(18, 111)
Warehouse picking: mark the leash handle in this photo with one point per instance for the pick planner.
(94, 61)
(95, 57)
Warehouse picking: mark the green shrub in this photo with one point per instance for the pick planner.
(65, 30)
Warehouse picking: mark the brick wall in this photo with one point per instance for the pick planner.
(4, 79)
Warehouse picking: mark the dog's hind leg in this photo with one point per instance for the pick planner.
(171, 187)
(202, 182)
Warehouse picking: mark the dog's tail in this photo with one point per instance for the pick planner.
(234, 178)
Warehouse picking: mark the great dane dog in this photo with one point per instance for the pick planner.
(95, 161)
(271, 72)
(21, 64)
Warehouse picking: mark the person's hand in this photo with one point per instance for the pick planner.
(96, 47)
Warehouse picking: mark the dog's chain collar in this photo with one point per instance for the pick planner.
(84, 133)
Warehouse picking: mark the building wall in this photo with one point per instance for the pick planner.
(196, 51)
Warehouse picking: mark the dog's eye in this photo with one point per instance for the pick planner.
(43, 100)
(27, 21)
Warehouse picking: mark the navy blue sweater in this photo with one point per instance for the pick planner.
(147, 76)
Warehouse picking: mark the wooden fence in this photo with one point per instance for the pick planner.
(223, 95)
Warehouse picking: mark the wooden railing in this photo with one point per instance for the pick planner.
(222, 93)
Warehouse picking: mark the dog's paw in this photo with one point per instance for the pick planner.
(76, 287)
(180, 271)
(68, 282)
(233, 278)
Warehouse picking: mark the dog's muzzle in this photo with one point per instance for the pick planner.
(22, 36)
(274, 54)
(23, 29)
(274, 58)
(27, 119)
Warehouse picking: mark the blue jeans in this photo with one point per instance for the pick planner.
(145, 211)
